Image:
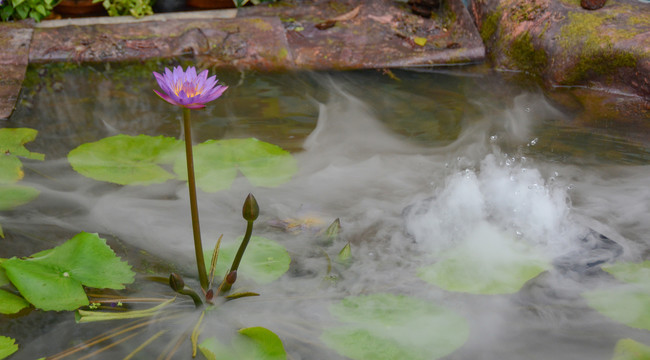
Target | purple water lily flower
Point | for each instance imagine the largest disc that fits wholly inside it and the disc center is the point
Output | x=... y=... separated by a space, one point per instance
x=187 y=89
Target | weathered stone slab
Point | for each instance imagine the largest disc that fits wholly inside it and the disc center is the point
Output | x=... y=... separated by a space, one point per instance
x=14 y=57
x=247 y=43
x=566 y=45
x=375 y=34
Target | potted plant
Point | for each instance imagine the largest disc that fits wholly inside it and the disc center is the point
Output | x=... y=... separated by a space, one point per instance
x=23 y=9
x=74 y=8
x=135 y=8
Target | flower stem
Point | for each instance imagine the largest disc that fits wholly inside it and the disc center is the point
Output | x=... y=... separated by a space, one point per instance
x=225 y=286
x=194 y=209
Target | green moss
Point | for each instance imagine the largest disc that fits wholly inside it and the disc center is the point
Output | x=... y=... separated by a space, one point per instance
x=525 y=56
x=586 y=37
x=641 y=19
x=490 y=26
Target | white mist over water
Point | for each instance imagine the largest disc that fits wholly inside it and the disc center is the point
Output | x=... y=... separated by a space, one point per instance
x=400 y=203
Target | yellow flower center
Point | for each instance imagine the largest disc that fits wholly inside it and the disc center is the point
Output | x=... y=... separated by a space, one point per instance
x=190 y=89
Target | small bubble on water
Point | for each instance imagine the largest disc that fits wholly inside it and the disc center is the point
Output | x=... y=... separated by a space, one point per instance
x=527 y=109
x=533 y=142
x=523 y=170
x=519 y=234
x=493 y=138
x=556 y=174
x=571 y=187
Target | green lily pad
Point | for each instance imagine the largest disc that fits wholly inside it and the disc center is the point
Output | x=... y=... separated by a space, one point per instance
x=12 y=141
x=264 y=260
x=254 y=343
x=16 y=195
x=487 y=262
x=53 y=280
x=627 y=304
x=8 y=346
x=387 y=327
x=216 y=163
x=10 y=303
x=127 y=160
x=631 y=273
x=628 y=349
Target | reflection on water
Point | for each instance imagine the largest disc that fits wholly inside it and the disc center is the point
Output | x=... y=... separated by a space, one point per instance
x=410 y=166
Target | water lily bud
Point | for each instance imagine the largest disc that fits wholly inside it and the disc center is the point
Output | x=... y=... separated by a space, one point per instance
x=176 y=282
x=209 y=295
x=231 y=277
x=251 y=210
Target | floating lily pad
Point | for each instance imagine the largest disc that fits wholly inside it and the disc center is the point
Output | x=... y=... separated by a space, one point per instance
x=631 y=273
x=11 y=303
x=8 y=346
x=216 y=163
x=387 y=327
x=487 y=262
x=16 y=195
x=254 y=343
x=628 y=349
x=12 y=141
x=53 y=279
x=264 y=260
x=127 y=160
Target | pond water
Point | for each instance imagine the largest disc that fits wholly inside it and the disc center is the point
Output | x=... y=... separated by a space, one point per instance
x=415 y=164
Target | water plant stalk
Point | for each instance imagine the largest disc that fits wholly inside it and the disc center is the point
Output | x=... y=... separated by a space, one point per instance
x=194 y=209
x=250 y=212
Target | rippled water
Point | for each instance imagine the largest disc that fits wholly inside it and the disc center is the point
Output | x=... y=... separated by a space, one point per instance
x=412 y=164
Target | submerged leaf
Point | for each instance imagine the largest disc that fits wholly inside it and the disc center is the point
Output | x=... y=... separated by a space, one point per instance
x=487 y=262
x=8 y=346
x=53 y=280
x=387 y=326
x=254 y=343
x=12 y=196
x=264 y=260
x=127 y=160
x=10 y=303
x=632 y=273
x=628 y=349
x=216 y=163
x=627 y=304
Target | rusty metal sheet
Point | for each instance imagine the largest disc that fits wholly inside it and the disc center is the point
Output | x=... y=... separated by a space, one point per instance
x=248 y=43
x=380 y=34
x=14 y=42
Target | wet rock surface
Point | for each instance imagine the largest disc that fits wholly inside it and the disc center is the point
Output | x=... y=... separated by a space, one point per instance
x=13 y=61
x=566 y=45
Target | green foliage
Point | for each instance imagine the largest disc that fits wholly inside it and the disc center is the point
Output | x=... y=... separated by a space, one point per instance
x=629 y=303
x=488 y=262
x=217 y=162
x=126 y=160
x=254 y=343
x=240 y=3
x=8 y=346
x=523 y=53
x=135 y=8
x=264 y=260
x=137 y=160
x=54 y=279
x=386 y=327
x=23 y=9
x=10 y=303
x=628 y=349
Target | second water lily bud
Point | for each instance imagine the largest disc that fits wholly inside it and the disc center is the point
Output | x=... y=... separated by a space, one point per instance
x=231 y=277
x=251 y=210
x=176 y=282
